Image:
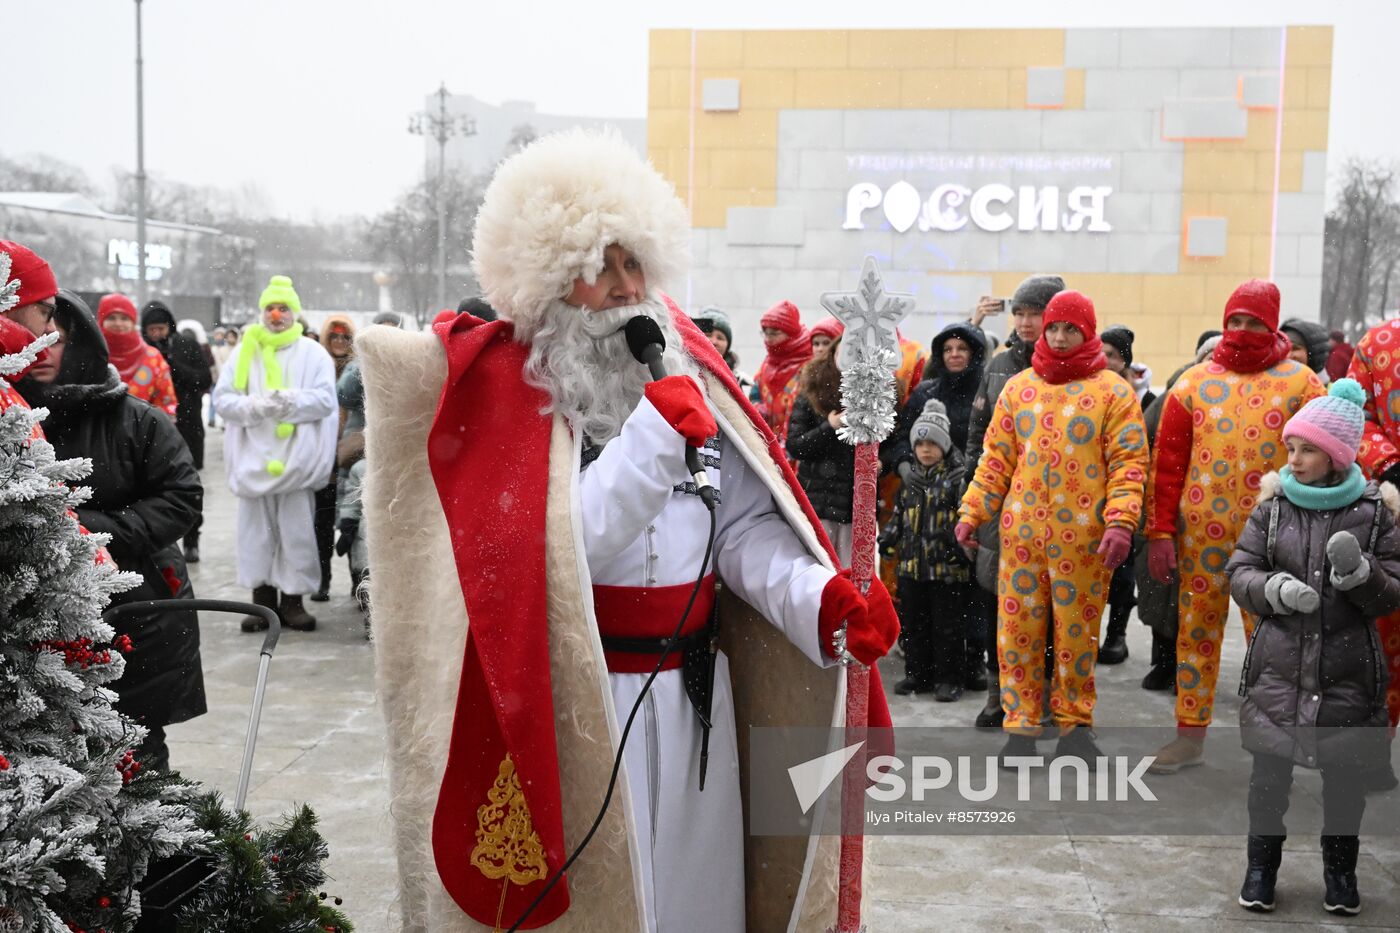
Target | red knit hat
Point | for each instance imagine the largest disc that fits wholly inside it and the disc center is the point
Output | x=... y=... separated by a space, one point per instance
x=826 y=327
x=785 y=317
x=116 y=304
x=1257 y=298
x=1073 y=308
x=36 y=281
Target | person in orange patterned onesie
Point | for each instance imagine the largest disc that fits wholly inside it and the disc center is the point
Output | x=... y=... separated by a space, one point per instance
x=141 y=366
x=1376 y=365
x=1220 y=433
x=1064 y=459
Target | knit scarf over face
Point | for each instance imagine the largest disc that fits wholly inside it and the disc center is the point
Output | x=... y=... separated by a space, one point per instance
x=126 y=352
x=257 y=339
x=1249 y=351
x=1058 y=367
x=784 y=360
x=1323 y=498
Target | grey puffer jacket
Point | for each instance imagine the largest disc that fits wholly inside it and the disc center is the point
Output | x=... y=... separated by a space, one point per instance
x=1015 y=358
x=1314 y=683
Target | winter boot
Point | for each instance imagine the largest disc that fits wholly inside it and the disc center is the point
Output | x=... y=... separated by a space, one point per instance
x=1017 y=746
x=1162 y=674
x=1114 y=647
x=1339 y=874
x=948 y=693
x=1079 y=743
x=294 y=614
x=1184 y=751
x=976 y=678
x=262 y=596
x=992 y=715
x=1264 y=853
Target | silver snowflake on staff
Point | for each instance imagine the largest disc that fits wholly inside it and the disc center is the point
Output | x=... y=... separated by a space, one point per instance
x=870 y=315
x=9 y=288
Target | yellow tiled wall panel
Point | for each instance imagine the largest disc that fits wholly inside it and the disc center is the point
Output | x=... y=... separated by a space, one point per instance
x=902 y=48
x=845 y=88
x=1305 y=129
x=759 y=88
x=795 y=48
x=1009 y=48
x=1309 y=45
x=719 y=48
x=956 y=88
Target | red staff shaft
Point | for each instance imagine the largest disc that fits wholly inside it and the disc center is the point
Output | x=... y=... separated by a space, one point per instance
x=863 y=535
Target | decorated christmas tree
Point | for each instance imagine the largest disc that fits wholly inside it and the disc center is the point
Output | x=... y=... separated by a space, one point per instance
x=79 y=818
x=266 y=881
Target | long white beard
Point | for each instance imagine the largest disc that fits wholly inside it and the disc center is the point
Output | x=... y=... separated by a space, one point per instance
x=582 y=360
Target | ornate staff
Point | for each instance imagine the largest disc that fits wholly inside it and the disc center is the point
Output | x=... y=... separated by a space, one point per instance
x=868 y=358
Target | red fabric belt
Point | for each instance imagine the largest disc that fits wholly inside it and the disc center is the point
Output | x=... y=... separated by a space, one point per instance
x=649 y=612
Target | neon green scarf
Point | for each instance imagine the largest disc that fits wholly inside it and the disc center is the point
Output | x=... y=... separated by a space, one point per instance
x=258 y=339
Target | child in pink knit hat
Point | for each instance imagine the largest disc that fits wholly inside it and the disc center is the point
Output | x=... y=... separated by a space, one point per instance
x=1318 y=562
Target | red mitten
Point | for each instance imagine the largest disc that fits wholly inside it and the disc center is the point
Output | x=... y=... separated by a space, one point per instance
x=1161 y=559
x=1117 y=542
x=679 y=401
x=871 y=623
x=966 y=536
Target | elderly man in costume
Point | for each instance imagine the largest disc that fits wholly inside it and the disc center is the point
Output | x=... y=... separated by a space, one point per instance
x=577 y=536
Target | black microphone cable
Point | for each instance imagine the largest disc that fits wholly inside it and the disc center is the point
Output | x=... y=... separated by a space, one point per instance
x=622 y=743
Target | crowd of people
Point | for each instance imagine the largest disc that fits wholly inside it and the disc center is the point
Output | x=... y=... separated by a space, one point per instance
x=128 y=390
x=1043 y=491
x=1034 y=493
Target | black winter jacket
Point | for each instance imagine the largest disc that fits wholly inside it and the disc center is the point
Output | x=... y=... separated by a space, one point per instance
x=1314 y=683
x=190 y=373
x=145 y=494
x=826 y=465
x=955 y=390
x=919 y=535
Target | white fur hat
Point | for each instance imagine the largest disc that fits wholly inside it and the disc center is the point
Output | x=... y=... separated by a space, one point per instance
x=553 y=208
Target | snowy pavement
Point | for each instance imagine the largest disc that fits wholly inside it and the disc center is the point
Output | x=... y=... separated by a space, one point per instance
x=322 y=743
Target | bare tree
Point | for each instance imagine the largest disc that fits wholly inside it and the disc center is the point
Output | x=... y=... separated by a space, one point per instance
x=406 y=235
x=43 y=173
x=1362 y=246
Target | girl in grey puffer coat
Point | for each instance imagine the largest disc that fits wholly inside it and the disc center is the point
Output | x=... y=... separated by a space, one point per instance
x=1318 y=562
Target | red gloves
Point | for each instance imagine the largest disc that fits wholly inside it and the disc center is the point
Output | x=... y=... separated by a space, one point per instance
x=1161 y=559
x=1117 y=542
x=871 y=623
x=679 y=401
x=966 y=537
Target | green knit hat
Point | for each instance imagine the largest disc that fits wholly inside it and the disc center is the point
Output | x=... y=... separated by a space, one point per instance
x=279 y=291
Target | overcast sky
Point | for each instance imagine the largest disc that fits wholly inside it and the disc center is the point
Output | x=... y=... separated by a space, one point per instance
x=309 y=99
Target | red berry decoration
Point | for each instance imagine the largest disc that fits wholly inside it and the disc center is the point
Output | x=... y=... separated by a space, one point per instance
x=4 y=763
x=104 y=902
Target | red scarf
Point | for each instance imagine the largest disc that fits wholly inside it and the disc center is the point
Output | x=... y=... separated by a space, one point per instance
x=126 y=351
x=1058 y=367
x=783 y=362
x=1249 y=351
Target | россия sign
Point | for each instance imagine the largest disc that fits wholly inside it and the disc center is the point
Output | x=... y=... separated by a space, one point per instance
x=994 y=207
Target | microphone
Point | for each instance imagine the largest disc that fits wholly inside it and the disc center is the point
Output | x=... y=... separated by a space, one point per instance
x=647 y=343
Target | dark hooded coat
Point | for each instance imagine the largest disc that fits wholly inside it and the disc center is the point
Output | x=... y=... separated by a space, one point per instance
x=190 y=372
x=826 y=465
x=955 y=390
x=146 y=495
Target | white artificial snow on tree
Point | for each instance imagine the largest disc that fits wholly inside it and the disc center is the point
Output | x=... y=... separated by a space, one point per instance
x=79 y=820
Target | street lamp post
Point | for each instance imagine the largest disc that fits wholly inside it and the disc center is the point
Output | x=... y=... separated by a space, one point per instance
x=438 y=125
x=140 y=168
